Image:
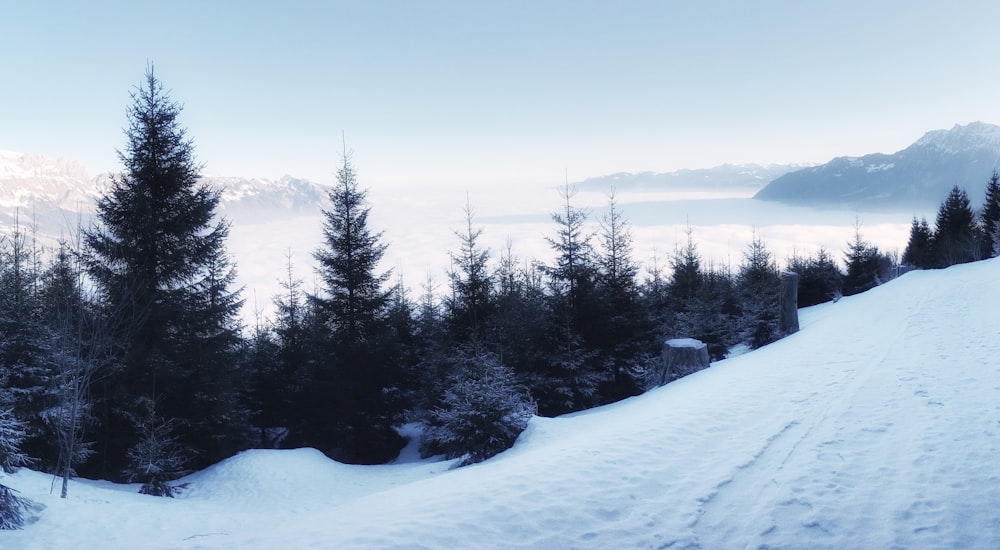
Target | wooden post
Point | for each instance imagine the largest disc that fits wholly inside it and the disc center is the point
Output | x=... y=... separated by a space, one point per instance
x=788 y=304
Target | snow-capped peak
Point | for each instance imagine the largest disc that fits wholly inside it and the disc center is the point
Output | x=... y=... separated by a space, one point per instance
x=20 y=165
x=972 y=136
x=27 y=179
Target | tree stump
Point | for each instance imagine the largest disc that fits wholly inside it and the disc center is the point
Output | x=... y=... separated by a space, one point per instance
x=788 y=304
x=681 y=357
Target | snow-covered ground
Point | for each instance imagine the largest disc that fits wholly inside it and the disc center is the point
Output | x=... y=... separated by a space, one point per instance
x=876 y=426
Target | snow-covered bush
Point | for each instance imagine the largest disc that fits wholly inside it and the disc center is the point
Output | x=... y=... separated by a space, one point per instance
x=157 y=458
x=482 y=413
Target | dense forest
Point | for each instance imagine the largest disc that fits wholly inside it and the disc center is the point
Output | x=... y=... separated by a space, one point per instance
x=122 y=355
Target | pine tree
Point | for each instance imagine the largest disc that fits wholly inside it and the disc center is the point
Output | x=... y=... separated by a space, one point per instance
x=82 y=348
x=713 y=317
x=215 y=421
x=264 y=392
x=519 y=328
x=686 y=274
x=353 y=295
x=13 y=430
x=867 y=267
x=919 y=251
x=571 y=278
x=483 y=410
x=990 y=217
x=282 y=360
x=655 y=290
x=956 y=237
x=571 y=377
x=353 y=416
x=626 y=324
x=820 y=280
x=157 y=458
x=472 y=302
x=759 y=286
x=26 y=353
x=431 y=350
x=402 y=346
x=158 y=258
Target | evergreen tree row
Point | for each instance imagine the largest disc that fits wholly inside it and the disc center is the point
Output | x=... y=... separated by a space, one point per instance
x=960 y=234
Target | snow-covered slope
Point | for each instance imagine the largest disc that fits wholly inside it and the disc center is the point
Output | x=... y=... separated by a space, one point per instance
x=876 y=426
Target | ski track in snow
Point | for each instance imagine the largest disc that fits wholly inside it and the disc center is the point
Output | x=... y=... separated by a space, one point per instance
x=876 y=426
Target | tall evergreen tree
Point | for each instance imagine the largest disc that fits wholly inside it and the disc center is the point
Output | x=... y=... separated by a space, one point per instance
x=472 y=300
x=626 y=324
x=572 y=376
x=990 y=217
x=158 y=258
x=353 y=414
x=572 y=277
x=759 y=288
x=956 y=237
x=919 y=251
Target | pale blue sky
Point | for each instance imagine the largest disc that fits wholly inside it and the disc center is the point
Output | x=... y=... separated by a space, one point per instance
x=473 y=92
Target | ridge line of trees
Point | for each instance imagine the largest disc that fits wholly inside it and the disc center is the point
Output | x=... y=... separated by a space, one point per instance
x=960 y=233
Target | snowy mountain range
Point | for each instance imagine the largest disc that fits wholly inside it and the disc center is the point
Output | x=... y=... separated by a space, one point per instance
x=726 y=177
x=920 y=175
x=55 y=192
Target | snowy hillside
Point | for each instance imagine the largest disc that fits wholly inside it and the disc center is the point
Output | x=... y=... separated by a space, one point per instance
x=876 y=426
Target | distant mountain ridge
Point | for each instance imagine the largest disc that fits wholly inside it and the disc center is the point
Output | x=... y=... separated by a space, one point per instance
x=920 y=175
x=53 y=193
x=27 y=179
x=745 y=177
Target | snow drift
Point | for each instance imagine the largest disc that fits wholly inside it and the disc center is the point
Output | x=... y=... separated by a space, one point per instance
x=876 y=426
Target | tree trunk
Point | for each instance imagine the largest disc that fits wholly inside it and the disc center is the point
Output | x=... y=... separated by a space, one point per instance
x=788 y=304
x=681 y=357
